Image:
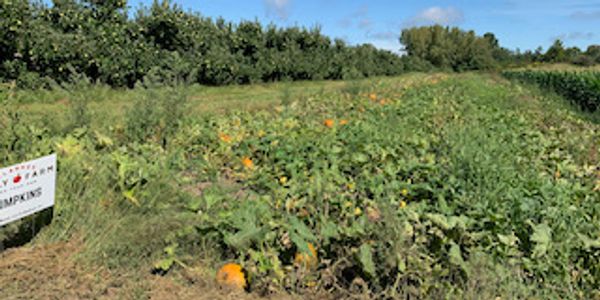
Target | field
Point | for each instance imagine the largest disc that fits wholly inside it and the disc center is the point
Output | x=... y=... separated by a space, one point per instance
x=464 y=186
x=559 y=67
x=582 y=86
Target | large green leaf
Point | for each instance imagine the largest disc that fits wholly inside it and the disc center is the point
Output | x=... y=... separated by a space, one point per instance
x=542 y=237
x=365 y=256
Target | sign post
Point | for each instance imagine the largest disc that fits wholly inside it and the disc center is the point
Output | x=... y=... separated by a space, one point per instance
x=27 y=188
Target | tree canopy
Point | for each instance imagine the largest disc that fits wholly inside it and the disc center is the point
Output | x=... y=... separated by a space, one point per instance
x=101 y=41
x=41 y=44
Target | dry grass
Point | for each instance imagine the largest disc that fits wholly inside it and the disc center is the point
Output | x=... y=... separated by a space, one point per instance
x=49 y=272
x=52 y=272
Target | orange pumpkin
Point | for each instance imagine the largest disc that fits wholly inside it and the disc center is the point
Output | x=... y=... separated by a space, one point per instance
x=329 y=123
x=343 y=122
x=231 y=276
x=247 y=162
x=373 y=97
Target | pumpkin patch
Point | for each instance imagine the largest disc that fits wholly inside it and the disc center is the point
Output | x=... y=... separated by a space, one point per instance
x=456 y=182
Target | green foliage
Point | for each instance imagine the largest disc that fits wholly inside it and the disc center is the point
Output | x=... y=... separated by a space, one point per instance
x=156 y=115
x=450 y=48
x=556 y=53
x=417 y=197
x=44 y=44
x=164 y=43
x=593 y=52
x=582 y=88
x=437 y=186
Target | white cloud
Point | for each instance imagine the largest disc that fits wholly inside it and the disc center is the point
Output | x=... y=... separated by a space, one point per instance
x=437 y=15
x=279 y=8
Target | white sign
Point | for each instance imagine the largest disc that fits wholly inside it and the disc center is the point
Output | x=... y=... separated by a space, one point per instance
x=27 y=188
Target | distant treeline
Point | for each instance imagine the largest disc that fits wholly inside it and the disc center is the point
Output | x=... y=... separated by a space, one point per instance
x=100 y=41
x=457 y=50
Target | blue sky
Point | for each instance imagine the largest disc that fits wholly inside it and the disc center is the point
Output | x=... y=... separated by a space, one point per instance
x=517 y=24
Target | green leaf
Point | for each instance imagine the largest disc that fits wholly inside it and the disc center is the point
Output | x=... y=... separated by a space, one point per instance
x=454 y=254
x=164 y=264
x=242 y=239
x=329 y=230
x=194 y=204
x=301 y=228
x=336 y=149
x=407 y=230
x=360 y=157
x=170 y=250
x=129 y=195
x=211 y=198
x=300 y=243
x=508 y=240
x=542 y=236
x=401 y=263
x=440 y=221
x=588 y=243
x=455 y=257
x=365 y=256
